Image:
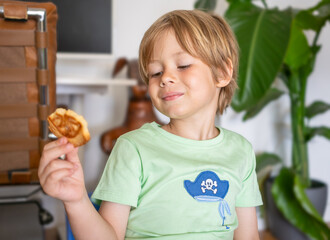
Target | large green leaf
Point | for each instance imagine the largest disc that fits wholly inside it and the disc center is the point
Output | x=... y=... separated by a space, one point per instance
x=311 y=132
x=298 y=52
x=265 y=162
x=306 y=20
x=318 y=15
x=292 y=209
x=265 y=159
x=316 y=108
x=299 y=192
x=271 y=95
x=320 y=5
x=323 y=10
x=314 y=19
x=263 y=36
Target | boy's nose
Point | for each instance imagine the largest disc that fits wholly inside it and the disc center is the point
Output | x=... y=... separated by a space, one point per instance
x=167 y=79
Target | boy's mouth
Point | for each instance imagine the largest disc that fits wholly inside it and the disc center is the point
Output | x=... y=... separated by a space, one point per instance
x=172 y=96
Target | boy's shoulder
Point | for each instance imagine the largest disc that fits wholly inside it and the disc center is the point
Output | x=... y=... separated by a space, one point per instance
x=236 y=138
x=145 y=131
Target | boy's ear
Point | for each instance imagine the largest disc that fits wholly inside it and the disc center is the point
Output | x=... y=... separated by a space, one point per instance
x=222 y=82
x=225 y=75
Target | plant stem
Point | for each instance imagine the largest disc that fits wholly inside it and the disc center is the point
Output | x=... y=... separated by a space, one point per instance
x=316 y=37
x=299 y=147
x=297 y=85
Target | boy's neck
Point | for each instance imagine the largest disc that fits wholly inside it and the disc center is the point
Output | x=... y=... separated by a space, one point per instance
x=197 y=130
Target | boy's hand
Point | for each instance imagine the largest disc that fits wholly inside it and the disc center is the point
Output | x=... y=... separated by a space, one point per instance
x=61 y=179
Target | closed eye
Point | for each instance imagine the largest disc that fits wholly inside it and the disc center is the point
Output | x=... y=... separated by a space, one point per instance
x=157 y=74
x=184 y=66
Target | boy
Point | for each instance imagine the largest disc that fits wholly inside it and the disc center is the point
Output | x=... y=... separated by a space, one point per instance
x=184 y=180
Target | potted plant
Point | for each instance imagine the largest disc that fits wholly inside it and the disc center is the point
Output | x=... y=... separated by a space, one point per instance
x=273 y=45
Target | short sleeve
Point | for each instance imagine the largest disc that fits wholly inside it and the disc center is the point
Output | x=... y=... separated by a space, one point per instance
x=249 y=196
x=120 y=181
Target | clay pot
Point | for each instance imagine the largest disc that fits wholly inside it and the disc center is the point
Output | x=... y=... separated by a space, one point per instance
x=140 y=109
x=139 y=112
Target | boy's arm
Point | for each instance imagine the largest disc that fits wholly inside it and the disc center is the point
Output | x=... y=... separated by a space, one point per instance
x=247 y=224
x=110 y=223
x=117 y=215
x=64 y=180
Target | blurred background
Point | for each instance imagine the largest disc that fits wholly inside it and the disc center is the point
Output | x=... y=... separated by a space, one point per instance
x=85 y=84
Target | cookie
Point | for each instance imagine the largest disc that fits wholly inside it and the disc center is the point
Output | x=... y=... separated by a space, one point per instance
x=67 y=123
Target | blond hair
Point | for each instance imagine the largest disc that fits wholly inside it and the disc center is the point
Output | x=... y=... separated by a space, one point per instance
x=204 y=36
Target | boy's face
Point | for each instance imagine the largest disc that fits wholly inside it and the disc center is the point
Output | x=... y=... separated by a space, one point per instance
x=181 y=86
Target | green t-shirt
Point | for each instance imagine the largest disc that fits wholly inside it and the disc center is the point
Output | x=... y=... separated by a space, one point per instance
x=180 y=188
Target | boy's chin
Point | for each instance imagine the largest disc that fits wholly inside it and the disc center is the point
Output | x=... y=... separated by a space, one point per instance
x=174 y=114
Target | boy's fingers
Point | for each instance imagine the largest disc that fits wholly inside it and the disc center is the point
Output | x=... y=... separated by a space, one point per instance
x=58 y=142
x=54 y=166
x=52 y=154
x=56 y=176
x=73 y=156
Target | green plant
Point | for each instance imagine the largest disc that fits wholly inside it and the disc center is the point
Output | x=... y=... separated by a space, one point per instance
x=273 y=45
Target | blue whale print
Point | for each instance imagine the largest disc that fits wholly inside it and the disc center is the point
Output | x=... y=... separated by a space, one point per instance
x=208 y=187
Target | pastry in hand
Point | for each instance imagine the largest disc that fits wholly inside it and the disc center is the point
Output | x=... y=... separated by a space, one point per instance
x=67 y=123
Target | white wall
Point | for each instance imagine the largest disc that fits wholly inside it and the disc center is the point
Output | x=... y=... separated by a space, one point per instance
x=269 y=131
x=132 y=18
